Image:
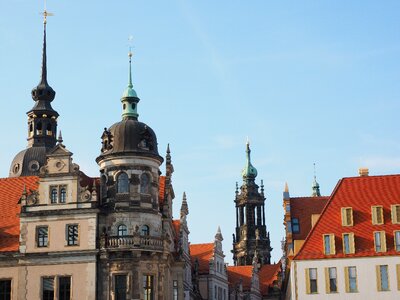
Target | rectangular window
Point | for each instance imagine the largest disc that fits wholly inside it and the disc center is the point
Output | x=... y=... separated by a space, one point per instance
x=329 y=244
x=120 y=287
x=380 y=241
x=42 y=236
x=397 y=240
x=351 y=279
x=148 y=287
x=72 y=234
x=5 y=289
x=289 y=226
x=347 y=216
x=331 y=280
x=382 y=278
x=47 y=288
x=295 y=225
x=175 y=289
x=377 y=215
x=348 y=243
x=64 y=288
x=395 y=213
x=311 y=281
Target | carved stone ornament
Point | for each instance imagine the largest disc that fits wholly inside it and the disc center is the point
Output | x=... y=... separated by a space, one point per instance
x=32 y=198
x=149 y=266
x=86 y=195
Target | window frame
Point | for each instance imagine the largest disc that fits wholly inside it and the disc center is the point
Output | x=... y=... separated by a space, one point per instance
x=348 y=279
x=62 y=196
x=43 y=278
x=375 y=209
x=297 y=223
x=7 y=293
x=395 y=213
x=53 y=194
x=309 y=285
x=331 y=244
x=328 y=279
x=122 y=228
x=382 y=241
x=120 y=181
x=379 y=281
x=67 y=235
x=396 y=240
x=60 y=296
x=148 y=287
x=351 y=243
x=345 y=221
x=40 y=241
x=118 y=275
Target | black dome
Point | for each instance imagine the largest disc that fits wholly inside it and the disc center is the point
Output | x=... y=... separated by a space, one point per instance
x=129 y=137
x=28 y=162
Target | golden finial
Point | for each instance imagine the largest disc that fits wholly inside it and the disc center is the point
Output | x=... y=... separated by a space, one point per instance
x=45 y=13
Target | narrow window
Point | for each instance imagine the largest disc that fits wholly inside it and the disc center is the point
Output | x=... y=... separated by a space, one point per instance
x=120 y=287
x=63 y=195
x=295 y=225
x=144 y=183
x=47 y=288
x=331 y=280
x=175 y=290
x=347 y=216
x=122 y=230
x=348 y=243
x=148 y=287
x=289 y=226
x=53 y=194
x=329 y=244
x=123 y=183
x=351 y=279
x=42 y=236
x=39 y=128
x=382 y=277
x=313 y=280
x=395 y=213
x=5 y=289
x=48 y=129
x=103 y=187
x=64 y=288
x=72 y=234
x=377 y=215
x=145 y=230
x=397 y=240
x=380 y=241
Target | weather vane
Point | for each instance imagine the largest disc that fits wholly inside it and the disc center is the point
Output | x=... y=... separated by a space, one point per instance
x=45 y=13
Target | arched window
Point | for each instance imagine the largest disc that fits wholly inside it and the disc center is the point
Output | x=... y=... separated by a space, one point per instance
x=39 y=128
x=63 y=195
x=145 y=230
x=122 y=230
x=48 y=129
x=53 y=195
x=144 y=183
x=123 y=183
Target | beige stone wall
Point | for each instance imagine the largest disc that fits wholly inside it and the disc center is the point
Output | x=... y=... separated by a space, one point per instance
x=57 y=232
x=11 y=273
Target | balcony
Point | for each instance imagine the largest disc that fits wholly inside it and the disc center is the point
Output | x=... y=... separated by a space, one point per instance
x=131 y=242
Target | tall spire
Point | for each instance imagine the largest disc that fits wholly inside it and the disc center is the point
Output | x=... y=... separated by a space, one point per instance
x=129 y=97
x=315 y=186
x=249 y=172
x=44 y=92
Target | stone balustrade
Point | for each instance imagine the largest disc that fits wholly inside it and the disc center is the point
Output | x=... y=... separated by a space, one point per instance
x=131 y=241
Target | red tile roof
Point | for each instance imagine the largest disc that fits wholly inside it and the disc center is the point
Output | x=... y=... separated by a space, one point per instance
x=10 y=192
x=177 y=226
x=360 y=193
x=303 y=208
x=267 y=275
x=161 y=191
x=203 y=252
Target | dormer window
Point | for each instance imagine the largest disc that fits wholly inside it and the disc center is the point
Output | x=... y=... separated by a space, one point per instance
x=122 y=183
x=395 y=213
x=347 y=216
x=329 y=244
x=377 y=215
x=380 y=241
x=295 y=225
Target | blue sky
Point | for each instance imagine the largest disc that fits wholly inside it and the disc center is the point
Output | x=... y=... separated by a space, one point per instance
x=306 y=81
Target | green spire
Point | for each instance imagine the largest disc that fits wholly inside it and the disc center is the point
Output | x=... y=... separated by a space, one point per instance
x=249 y=171
x=129 y=97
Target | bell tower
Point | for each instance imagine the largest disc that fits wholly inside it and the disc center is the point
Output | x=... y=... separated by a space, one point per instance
x=251 y=234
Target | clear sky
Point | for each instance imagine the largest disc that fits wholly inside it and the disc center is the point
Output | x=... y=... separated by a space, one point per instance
x=306 y=81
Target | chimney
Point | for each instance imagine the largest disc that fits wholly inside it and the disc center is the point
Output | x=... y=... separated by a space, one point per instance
x=363 y=171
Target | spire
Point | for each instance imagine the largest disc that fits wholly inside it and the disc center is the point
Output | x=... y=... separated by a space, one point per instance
x=129 y=97
x=249 y=172
x=218 y=235
x=286 y=188
x=44 y=92
x=184 y=206
x=315 y=186
x=60 y=138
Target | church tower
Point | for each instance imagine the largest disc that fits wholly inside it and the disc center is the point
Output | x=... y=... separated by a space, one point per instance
x=251 y=237
x=42 y=124
x=135 y=226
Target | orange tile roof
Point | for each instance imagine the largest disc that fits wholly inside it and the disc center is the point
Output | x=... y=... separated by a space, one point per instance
x=267 y=275
x=303 y=208
x=360 y=193
x=161 y=191
x=203 y=252
x=177 y=226
x=10 y=192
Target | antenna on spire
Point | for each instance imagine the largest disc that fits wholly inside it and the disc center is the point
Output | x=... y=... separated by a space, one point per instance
x=45 y=14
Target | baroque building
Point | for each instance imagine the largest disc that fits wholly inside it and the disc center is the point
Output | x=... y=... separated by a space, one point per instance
x=65 y=235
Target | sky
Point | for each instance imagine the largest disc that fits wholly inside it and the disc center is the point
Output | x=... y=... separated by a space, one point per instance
x=305 y=81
